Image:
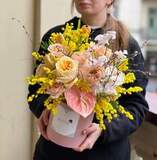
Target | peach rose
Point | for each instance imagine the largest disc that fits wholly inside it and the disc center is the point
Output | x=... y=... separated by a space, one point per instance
x=67 y=69
x=92 y=74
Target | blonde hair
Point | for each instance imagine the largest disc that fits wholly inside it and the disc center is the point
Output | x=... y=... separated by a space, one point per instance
x=122 y=34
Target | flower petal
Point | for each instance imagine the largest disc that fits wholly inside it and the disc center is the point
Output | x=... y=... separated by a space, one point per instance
x=81 y=102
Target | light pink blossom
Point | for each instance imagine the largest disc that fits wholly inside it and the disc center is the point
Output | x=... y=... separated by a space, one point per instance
x=80 y=57
x=57 y=50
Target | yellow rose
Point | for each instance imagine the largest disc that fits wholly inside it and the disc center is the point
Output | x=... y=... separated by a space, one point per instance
x=49 y=60
x=67 y=69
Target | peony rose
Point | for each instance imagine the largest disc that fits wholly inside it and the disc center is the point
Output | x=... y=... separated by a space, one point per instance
x=67 y=70
x=92 y=74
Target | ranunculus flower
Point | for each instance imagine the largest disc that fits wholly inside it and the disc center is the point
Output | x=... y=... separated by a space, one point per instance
x=56 y=90
x=81 y=102
x=67 y=70
x=57 y=50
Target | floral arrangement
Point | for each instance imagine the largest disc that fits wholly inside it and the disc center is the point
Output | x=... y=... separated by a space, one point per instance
x=85 y=74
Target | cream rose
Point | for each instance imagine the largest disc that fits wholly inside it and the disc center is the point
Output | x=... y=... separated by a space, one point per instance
x=67 y=70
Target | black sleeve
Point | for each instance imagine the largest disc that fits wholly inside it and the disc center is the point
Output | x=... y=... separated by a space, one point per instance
x=136 y=104
x=37 y=105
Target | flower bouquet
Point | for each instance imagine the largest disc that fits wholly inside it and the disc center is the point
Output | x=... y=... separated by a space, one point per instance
x=82 y=78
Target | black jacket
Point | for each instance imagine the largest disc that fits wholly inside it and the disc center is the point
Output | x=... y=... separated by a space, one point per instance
x=113 y=144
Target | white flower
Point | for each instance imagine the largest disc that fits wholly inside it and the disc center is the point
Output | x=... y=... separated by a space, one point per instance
x=92 y=61
x=103 y=39
x=119 y=79
x=102 y=60
x=110 y=89
x=121 y=55
x=112 y=75
x=99 y=88
x=110 y=71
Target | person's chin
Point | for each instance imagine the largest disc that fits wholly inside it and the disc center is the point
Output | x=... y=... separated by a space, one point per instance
x=85 y=11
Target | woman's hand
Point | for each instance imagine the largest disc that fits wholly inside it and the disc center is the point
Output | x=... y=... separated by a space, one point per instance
x=43 y=123
x=93 y=132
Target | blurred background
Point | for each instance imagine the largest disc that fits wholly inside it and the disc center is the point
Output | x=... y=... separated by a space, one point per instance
x=22 y=24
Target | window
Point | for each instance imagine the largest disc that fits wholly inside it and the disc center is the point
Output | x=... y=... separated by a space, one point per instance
x=151 y=62
x=152 y=23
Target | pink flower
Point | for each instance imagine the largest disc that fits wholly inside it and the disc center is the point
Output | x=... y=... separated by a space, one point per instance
x=81 y=57
x=57 y=50
x=102 y=51
x=92 y=74
x=56 y=90
x=81 y=102
x=103 y=39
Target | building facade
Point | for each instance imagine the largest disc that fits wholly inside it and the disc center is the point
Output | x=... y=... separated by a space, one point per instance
x=141 y=18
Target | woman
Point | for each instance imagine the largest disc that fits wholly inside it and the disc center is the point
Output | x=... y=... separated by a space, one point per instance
x=111 y=144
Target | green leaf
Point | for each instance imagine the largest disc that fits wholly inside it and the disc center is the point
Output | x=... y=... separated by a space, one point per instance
x=115 y=104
